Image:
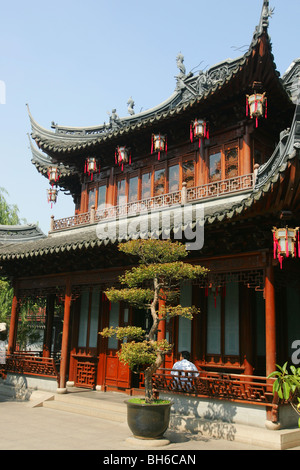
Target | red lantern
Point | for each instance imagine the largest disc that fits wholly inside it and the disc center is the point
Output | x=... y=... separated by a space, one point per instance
x=199 y=130
x=256 y=105
x=91 y=166
x=53 y=174
x=52 y=196
x=159 y=144
x=122 y=155
x=286 y=243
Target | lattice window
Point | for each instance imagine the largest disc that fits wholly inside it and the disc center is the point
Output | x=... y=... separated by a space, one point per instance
x=252 y=278
x=231 y=163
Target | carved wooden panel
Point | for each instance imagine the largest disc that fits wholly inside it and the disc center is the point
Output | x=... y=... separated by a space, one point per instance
x=26 y=363
x=237 y=387
x=85 y=374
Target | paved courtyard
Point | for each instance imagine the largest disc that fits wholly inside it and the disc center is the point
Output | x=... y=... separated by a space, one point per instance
x=23 y=427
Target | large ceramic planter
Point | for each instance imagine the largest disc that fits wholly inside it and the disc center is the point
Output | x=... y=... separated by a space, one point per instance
x=148 y=421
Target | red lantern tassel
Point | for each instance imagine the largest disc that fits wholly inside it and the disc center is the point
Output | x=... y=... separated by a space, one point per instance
x=130 y=159
x=158 y=155
x=166 y=145
x=191 y=132
x=274 y=245
x=207 y=132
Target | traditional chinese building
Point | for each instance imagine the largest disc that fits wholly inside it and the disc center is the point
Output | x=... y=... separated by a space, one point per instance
x=219 y=158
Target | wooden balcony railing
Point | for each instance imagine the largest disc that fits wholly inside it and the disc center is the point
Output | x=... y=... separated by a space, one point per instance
x=31 y=363
x=235 y=387
x=216 y=189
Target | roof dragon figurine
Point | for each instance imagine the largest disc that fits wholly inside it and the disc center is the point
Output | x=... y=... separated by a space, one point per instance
x=130 y=104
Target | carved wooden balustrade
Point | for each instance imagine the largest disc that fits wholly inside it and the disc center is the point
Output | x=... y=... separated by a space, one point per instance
x=234 y=387
x=212 y=190
x=31 y=363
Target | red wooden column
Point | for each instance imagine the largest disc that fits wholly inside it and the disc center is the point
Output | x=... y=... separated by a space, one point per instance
x=161 y=333
x=13 y=322
x=65 y=339
x=270 y=319
x=246 y=163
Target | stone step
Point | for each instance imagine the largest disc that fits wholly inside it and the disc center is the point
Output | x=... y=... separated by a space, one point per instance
x=280 y=439
x=101 y=401
x=88 y=408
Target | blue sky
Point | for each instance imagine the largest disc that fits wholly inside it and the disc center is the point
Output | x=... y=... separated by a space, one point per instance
x=73 y=62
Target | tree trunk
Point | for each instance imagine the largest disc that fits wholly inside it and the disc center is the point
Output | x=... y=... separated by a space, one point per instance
x=149 y=396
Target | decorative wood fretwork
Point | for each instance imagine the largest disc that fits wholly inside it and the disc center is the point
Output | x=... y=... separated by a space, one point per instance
x=237 y=387
x=40 y=292
x=207 y=191
x=31 y=364
x=85 y=373
x=252 y=279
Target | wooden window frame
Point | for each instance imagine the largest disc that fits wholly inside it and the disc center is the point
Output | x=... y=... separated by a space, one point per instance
x=222 y=359
x=87 y=349
x=95 y=186
x=222 y=149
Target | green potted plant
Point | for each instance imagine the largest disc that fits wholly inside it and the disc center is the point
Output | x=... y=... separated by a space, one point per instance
x=287 y=386
x=157 y=276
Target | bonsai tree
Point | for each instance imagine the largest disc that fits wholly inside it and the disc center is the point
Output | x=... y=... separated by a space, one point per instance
x=287 y=386
x=157 y=276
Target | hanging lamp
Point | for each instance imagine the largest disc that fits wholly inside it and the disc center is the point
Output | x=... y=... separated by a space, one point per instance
x=286 y=243
x=53 y=174
x=91 y=166
x=256 y=106
x=122 y=155
x=52 y=196
x=199 y=129
x=159 y=144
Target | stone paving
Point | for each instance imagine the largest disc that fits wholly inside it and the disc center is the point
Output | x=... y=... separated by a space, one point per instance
x=24 y=427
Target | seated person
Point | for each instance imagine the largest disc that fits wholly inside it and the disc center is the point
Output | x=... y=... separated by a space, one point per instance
x=179 y=370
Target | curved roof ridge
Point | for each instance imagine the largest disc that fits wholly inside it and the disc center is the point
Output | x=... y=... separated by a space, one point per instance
x=190 y=90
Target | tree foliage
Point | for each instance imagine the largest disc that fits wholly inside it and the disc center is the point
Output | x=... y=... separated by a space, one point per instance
x=8 y=212
x=158 y=275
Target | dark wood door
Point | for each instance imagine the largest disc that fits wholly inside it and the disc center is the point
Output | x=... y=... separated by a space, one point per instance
x=117 y=374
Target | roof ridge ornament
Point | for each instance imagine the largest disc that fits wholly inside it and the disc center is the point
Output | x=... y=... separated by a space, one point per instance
x=180 y=66
x=130 y=104
x=266 y=13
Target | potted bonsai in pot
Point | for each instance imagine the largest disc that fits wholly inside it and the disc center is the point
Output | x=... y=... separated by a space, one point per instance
x=286 y=387
x=157 y=276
